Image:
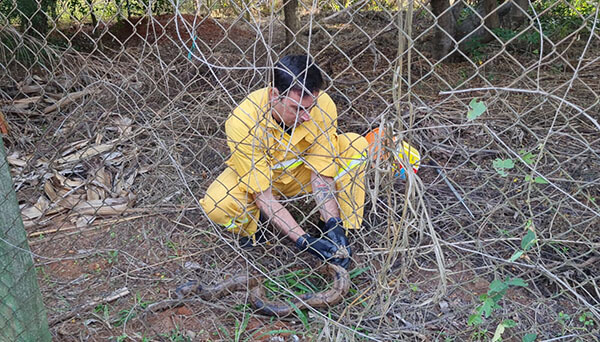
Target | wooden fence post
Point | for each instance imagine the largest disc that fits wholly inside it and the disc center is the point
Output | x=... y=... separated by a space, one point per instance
x=22 y=312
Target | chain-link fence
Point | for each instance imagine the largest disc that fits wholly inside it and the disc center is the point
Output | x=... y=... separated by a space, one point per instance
x=114 y=115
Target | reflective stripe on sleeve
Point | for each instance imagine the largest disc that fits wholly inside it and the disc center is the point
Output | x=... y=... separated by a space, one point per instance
x=288 y=164
x=355 y=161
x=232 y=224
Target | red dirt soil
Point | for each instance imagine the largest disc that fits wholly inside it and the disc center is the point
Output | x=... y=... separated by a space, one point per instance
x=163 y=28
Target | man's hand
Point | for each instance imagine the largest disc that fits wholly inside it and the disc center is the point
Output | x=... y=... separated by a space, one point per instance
x=321 y=248
x=335 y=232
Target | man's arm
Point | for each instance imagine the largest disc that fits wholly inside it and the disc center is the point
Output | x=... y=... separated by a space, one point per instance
x=279 y=216
x=323 y=189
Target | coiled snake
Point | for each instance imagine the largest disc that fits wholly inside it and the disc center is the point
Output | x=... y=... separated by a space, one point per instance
x=323 y=299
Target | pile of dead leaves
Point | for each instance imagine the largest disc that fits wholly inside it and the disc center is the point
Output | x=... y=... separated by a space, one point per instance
x=89 y=181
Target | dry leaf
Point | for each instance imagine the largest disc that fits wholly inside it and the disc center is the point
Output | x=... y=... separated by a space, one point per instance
x=31 y=213
x=124 y=125
x=84 y=221
x=16 y=161
x=74 y=146
x=42 y=203
x=108 y=206
x=88 y=152
x=49 y=190
x=94 y=193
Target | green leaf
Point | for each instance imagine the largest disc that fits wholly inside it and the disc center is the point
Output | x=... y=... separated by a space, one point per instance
x=516 y=282
x=528 y=157
x=475 y=319
x=503 y=164
x=497 y=286
x=528 y=178
x=488 y=307
x=540 y=180
x=529 y=337
x=528 y=240
x=509 y=323
x=477 y=108
x=516 y=256
x=357 y=271
x=300 y=314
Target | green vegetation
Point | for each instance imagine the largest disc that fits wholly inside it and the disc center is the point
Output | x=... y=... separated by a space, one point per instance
x=557 y=20
x=490 y=300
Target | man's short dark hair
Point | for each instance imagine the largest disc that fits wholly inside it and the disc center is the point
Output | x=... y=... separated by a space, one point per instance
x=297 y=72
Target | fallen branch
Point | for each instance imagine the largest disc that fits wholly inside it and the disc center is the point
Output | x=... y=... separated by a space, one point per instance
x=122 y=292
x=68 y=99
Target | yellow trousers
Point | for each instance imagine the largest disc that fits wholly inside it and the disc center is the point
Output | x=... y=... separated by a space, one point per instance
x=229 y=206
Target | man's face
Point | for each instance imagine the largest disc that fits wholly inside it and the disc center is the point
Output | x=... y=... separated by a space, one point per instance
x=294 y=108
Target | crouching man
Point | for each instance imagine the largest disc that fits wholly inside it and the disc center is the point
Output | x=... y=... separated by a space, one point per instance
x=284 y=143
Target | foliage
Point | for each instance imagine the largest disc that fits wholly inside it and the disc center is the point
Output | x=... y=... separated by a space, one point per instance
x=560 y=18
x=24 y=49
x=490 y=300
x=528 y=241
x=33 y=15
x=501 y=165
x=507 y=323
x=476 y=109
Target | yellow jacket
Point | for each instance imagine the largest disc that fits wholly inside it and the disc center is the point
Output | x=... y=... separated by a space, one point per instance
x=261 y=152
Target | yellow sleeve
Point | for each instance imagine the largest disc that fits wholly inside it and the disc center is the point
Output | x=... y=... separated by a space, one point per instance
x=323 y=151
x=246 y=140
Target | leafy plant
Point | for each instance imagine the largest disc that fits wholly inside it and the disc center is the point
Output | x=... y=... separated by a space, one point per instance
x=501 y=165
x=489 y=300
x=529 y=337
x=507 y=323
x=586 y=319
x=176 y=335
x=526 y=243
x=113 y=256
x=240 y=327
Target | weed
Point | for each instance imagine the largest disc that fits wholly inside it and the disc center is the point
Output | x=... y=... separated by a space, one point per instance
x=586 y=319
x=240 y=327
x=490 y=300
x=526 y=243
x=501 y=165
x=176 y=335
x=113 y=256
x=103 y=310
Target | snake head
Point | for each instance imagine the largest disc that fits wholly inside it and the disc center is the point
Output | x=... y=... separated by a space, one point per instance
x=187 y=289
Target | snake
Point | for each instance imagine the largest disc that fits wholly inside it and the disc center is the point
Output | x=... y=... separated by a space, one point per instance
x=258 y=300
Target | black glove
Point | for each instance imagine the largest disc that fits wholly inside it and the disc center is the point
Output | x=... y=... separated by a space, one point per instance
x=321 y=248
x=335 y=232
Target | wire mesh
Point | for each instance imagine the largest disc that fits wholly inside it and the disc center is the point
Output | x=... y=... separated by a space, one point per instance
x=113 y=115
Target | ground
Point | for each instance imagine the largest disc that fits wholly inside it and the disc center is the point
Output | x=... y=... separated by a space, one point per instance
x=160 y=115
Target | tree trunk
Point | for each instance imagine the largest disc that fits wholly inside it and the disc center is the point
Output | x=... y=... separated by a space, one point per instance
x=445 y=29
x=22 y=312
x=517 y=13
x=492 y=19
x=292 y=22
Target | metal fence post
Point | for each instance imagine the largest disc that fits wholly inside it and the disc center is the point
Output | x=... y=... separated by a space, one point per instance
x=22 y=313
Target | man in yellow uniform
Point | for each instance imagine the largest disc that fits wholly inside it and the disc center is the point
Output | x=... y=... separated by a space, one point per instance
x=284 y=143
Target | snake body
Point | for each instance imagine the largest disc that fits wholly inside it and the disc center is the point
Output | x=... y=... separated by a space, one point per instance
x=323 y=299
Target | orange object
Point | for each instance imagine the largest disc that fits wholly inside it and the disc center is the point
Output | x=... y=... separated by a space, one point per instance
x=376 y=139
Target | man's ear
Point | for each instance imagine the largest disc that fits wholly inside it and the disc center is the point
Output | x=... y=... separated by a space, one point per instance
x=273 y=93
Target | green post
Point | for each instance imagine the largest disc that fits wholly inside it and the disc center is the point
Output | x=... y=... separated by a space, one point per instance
x=22 y=313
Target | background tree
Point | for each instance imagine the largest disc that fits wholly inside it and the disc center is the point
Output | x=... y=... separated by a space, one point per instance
x=459 y=21
x=292 y=23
